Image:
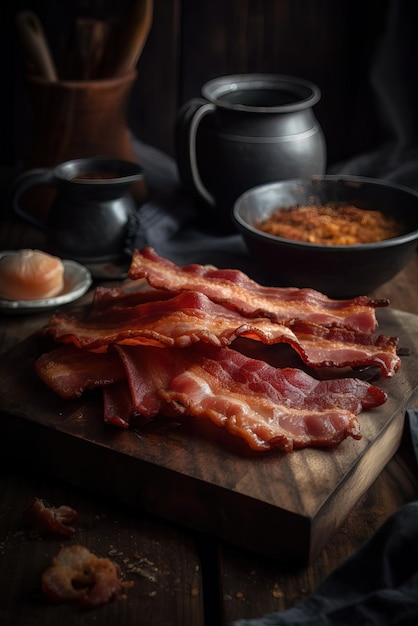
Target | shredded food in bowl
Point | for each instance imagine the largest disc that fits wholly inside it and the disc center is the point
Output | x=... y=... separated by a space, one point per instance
x=332 y=224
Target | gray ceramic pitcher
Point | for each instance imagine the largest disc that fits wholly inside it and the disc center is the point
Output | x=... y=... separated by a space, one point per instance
x=248 y=129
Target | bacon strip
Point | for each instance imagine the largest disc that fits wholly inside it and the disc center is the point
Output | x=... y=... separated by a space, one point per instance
x=189 y=317
x=165 y=352
x=341 y=347
x=267 y=407
x=179 y=321
x=69 y=372
x=118 y=408
x=235 y=289
x=144 y=394
x=112 y=297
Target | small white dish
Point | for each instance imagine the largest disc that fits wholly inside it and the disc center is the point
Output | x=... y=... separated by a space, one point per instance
x=77 y=280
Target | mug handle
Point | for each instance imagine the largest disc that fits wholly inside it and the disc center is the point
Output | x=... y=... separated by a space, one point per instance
x=188 y=123
x=23 y=182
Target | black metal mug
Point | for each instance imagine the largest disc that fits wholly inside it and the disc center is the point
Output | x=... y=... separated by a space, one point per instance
x=92 y=212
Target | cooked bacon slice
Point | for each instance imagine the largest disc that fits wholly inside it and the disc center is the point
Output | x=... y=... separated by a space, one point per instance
x=69 y=371
x=45 y=519
x=118 y=408
x=207 y=381
x=341 y=347
x=236 y=290
x=144 y=394
x=189 y=317
x=179 y=321
x=111 y=297
x=267 y=407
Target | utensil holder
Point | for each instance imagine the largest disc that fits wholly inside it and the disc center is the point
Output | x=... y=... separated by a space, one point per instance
x=77 y=119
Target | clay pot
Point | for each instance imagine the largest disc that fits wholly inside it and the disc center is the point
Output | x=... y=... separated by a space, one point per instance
x=75 y=119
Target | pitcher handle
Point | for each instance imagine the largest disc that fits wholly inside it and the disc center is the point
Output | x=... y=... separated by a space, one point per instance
x=192 y=114
x=24 y=181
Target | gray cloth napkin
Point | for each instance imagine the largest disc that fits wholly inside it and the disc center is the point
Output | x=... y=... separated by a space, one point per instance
x=378 y=586
x=176 y=226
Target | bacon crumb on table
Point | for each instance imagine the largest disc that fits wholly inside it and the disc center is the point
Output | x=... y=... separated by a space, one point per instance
x=78 y=575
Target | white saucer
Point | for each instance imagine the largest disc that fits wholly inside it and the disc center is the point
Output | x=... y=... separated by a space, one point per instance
x=77 y=280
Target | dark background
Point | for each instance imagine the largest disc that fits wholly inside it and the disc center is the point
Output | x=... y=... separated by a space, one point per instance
x=332 y=43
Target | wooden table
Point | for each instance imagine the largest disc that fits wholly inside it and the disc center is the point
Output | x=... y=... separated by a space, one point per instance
x=180 y=578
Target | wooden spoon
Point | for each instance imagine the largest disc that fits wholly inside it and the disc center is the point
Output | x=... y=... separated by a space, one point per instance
x=34 y=42
x=128 y=39
x=88 y=43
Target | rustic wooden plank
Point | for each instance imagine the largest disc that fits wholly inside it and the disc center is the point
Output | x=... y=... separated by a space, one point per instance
x=161 y=560
x=250 y=585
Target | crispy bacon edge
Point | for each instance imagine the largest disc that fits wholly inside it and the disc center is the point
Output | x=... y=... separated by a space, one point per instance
x=189 y=317
x=235 y=289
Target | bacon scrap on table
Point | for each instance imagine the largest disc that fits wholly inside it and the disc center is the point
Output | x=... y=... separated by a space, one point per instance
x=78 y=575
x=169 y=351
x=45 y=519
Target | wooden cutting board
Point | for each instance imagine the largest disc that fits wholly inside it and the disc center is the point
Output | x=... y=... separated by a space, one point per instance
x=286 y=506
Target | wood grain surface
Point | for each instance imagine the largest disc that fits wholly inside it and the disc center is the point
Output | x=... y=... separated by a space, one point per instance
x=161 y=561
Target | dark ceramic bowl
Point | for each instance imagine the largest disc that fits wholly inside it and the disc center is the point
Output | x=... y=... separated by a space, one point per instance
x=337 y=271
